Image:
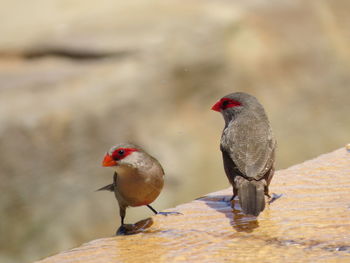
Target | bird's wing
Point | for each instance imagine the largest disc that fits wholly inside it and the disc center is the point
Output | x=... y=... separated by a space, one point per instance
x=251 y=148
x=230 y=167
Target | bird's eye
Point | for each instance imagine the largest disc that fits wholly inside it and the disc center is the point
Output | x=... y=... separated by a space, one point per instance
x=121 y=152
x=225 y=103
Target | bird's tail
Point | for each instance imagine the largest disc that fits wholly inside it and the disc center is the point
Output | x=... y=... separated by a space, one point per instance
x=109 y=187
x=251 y=196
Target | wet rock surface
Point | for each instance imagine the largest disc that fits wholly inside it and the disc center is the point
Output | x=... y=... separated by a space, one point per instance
x=309 y=223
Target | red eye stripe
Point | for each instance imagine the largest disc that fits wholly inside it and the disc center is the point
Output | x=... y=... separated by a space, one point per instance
x=121 y=153
x=224 y=104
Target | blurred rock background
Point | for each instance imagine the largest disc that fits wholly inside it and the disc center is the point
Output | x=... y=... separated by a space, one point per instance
x=79 y=76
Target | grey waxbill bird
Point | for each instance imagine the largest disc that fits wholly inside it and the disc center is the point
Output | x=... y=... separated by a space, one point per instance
x=138 y=178
x=248 y=149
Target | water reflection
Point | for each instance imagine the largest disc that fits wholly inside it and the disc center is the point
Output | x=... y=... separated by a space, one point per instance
x=238 y=220
x=242 y=222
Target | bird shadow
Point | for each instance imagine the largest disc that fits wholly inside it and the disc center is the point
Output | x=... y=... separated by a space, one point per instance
x=232 y=210
x=142 y=225
x=132 y=229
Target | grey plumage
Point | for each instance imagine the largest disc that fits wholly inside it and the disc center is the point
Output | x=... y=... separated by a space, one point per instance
x=248 y=150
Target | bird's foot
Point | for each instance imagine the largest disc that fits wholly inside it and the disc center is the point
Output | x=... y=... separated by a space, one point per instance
x=274 y=197
x=169 y=213
x=131 y=229
x=228 y=200
x=125 y=229
x=122 y=230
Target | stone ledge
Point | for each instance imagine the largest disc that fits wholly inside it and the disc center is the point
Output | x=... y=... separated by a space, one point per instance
x=309 y=223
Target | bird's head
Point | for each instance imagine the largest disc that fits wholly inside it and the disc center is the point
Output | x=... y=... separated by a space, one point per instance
x=225 y=103
x=232 y=104
x=119 y=155
x=228 y=106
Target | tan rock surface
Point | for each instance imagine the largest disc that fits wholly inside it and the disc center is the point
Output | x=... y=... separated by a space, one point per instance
x=309 y=223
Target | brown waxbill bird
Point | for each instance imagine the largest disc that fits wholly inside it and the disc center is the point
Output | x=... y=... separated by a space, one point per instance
x=248 y=149
x=138 y=178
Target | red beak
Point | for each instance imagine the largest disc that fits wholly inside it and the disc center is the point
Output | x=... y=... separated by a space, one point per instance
x=108 y=161
x=217 y=106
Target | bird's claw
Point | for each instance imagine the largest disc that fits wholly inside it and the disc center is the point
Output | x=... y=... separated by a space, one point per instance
x=228 y=200
x=126 y=229
x=169 y=213
x=122 y=230
x=274 y=197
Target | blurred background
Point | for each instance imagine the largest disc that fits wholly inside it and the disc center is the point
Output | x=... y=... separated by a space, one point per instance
x=78 y=76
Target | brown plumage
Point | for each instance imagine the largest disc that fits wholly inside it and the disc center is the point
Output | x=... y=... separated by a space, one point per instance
x=248 y=149
x=138 y=178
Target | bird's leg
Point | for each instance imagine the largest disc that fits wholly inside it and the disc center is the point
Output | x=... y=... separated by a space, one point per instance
x=233 y=196
x=122 y=229
x=266 y=191
x=163 y=213
x=153 y=210
x=235 y=193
